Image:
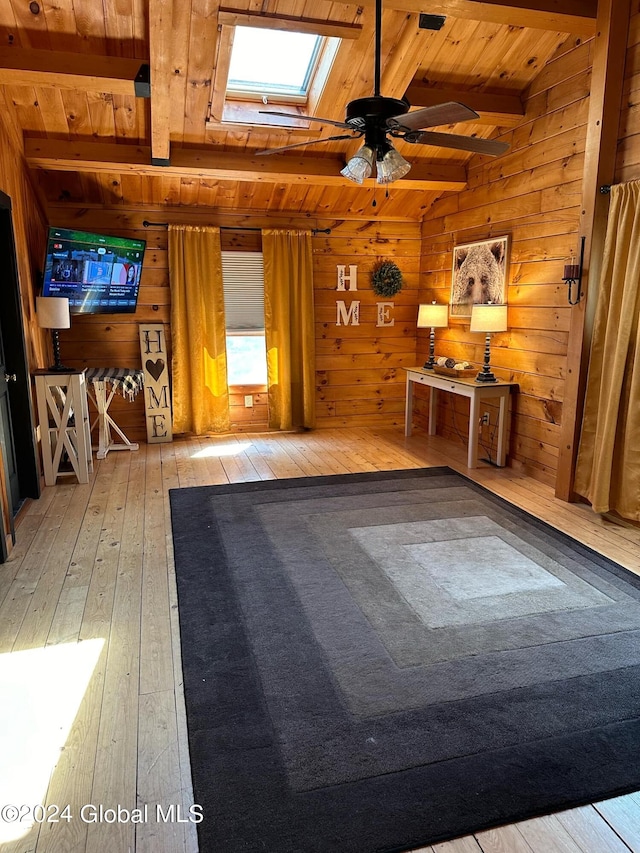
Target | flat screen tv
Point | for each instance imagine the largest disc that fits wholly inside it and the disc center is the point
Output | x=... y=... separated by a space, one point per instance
x=99 y=274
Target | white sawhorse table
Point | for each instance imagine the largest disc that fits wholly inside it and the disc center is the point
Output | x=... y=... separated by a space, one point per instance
x=107 y=381
x=477 y=392
x=63 y=416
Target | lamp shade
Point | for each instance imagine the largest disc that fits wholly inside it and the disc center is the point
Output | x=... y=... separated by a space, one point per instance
x=488 y=318
x=433 y=316
x=53 y=312
x=391 y=167
x=360 y=166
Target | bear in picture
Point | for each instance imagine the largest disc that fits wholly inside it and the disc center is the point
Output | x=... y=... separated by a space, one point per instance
x=479 y=275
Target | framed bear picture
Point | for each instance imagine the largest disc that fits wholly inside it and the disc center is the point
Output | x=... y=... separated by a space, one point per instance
x=479 y=275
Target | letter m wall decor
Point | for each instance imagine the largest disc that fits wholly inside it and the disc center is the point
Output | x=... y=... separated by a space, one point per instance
x=157 y=395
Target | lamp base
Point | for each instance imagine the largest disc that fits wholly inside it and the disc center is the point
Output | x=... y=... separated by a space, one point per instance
x=428 y=365
x=57 y=367
x=486 y=377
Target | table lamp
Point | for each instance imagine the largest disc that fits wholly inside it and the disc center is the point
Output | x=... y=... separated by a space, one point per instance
x=432 y=316
x=53 y=313
x=488 y=318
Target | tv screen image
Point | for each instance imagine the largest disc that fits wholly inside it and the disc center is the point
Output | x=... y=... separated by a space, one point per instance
x=99 y=274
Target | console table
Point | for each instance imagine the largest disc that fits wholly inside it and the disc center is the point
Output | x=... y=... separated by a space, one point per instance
x=106 y=382
x=477 y=392
x=63 y=416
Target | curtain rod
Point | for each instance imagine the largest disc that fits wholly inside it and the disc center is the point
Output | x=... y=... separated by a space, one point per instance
x=148 y=224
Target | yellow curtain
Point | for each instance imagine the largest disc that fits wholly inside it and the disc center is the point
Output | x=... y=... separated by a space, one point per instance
x=608 y=465
x=199 y=360
x=289 y=328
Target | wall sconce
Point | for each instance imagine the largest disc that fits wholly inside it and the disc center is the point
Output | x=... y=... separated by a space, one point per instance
x=488 y=318
x=573 y=275
x=52 y=313
x=434 y=317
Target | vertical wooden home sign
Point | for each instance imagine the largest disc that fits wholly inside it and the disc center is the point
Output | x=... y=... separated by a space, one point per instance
x=157 y=397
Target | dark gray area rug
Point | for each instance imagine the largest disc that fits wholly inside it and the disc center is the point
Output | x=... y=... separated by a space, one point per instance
x=376 y=662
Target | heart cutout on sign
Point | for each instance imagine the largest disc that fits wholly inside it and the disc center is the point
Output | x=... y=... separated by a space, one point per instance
x=155 y=368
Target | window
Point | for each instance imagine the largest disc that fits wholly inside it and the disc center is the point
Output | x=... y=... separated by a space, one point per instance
x=243 y=284
x=272 y=63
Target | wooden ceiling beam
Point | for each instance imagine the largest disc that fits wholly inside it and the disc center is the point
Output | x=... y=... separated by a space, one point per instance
x=570 y=16
x=59 y=70
x=91 y=157
x=160 y=48
x=494 y=110
x=290 y=23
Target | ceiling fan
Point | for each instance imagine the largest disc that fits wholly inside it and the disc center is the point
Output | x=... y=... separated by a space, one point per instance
x=377 y=118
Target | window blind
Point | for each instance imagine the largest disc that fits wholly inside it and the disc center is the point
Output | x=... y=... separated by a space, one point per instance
x=243 y=284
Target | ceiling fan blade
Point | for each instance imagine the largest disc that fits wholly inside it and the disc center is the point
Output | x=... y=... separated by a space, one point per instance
x=305 y=118
x=449 y=113
x=311 y=142
x=463 y=143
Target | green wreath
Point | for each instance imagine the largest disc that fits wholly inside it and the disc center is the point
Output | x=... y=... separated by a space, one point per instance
x=386 y=279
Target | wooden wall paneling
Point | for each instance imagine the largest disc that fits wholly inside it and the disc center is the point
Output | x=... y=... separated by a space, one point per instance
x=11 y=123
x=188 y=191
x=25 y=103
x=139 y=21
x=33 y=28
x=572 y=59
x=467 y=42
x=353 y=62
x=91 y=188
x=125 y=116
x=100 y=106
x=249 y=419
x=602 y=136
x=90 y=26
x=119 y=26
x=111 y=187
x=558 y=148
x=628 y=156
x=29 y=226
x=531 y=193
x=76 y=108
x=207 y=193
x=349 y=358
x=130 y=217
x=359 y=368
x=132 y=186
x=52 y=110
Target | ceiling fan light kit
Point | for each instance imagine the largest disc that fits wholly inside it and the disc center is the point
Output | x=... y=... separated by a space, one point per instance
x=390 y=165
x=377 y=117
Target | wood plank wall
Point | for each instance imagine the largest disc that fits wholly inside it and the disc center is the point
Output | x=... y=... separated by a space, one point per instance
x=628 y=155
x=532 y=194
x=359 y=373
x=29 y=226
x=359 y=368
x=30 y=237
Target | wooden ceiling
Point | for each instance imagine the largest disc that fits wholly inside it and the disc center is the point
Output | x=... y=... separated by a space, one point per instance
x=68 y=74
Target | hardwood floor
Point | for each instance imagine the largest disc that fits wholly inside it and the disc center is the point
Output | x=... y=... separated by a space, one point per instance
x=88 y=616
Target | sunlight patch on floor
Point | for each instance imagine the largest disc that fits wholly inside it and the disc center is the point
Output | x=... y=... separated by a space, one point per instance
x=216 y=450
x=41 y=692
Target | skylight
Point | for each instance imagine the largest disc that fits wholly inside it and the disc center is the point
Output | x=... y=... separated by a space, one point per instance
x=272 y=63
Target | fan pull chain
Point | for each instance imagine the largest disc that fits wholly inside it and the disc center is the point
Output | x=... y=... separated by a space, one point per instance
x=374 y=203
